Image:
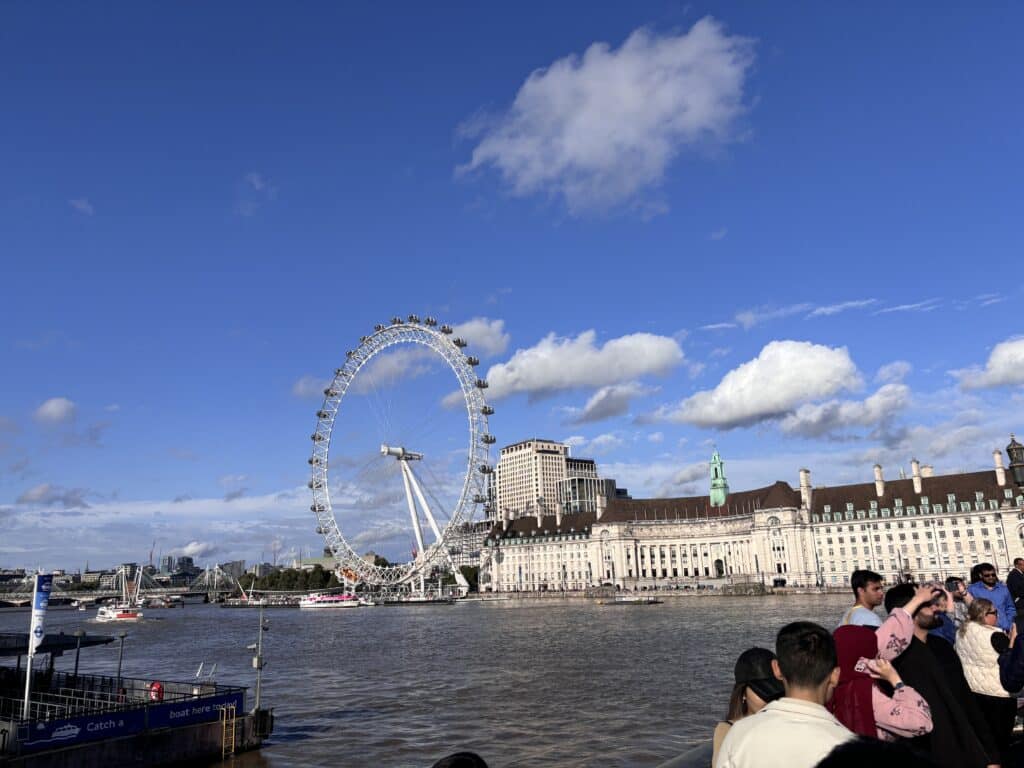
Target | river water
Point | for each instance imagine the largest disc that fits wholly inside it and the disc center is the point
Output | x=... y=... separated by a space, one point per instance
x=522 y=683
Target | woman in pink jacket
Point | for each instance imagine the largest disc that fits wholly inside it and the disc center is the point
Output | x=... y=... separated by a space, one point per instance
x=860 y=704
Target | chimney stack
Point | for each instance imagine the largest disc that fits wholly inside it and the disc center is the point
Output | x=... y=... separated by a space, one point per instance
x=927 y=470
x=558 y=515
x=805 y=488
x=879 y=481
x=997 y=457
x=602 y=502
x=915 y=471
x=504 y=519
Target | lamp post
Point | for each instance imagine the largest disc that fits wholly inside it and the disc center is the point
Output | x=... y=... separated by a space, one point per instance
x=120 y=658
x=79 y=634
x=257 y=660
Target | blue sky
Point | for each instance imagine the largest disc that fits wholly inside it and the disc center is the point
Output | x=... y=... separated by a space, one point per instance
x=798 y=232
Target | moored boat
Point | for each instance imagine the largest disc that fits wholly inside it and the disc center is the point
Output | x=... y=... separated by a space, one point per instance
x=320 y=600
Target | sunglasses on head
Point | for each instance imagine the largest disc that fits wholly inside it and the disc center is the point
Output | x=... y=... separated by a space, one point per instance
x=992 y=613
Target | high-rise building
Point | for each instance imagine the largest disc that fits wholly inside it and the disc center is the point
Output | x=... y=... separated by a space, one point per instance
x=527 y=476
x=166 y=563
x=185 y=563
x=533 y=476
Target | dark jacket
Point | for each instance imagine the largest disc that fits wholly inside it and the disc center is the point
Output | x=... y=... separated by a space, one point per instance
x=1015 y=583
x=960 y=738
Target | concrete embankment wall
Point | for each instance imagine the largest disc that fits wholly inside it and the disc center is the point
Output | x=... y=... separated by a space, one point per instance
x=191 y=744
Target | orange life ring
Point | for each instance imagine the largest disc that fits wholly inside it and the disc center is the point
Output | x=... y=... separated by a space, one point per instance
x=156 y=691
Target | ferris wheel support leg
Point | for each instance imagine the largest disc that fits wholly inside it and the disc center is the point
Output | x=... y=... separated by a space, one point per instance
x=459 y=578
x=412 y=511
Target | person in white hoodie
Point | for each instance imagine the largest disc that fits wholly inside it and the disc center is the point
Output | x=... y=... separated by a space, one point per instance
x=979 y=644
x=795 y=731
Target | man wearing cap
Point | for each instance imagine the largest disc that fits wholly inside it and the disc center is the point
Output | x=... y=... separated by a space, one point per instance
x=755 y=686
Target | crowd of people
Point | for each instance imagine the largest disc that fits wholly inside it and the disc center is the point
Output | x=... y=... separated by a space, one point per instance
x=932 y=682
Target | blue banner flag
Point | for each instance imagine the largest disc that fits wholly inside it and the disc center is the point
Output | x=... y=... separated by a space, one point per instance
x=40 y=602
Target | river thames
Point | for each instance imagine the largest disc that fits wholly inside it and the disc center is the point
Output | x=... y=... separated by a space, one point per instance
x=553 y=682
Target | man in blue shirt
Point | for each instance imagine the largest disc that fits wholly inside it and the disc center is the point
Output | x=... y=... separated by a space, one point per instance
x=992 y=589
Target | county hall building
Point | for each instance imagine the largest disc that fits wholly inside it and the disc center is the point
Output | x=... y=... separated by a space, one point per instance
x=925 y=526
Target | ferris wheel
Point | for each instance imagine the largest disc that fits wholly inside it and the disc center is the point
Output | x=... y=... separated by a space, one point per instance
x=424 y=520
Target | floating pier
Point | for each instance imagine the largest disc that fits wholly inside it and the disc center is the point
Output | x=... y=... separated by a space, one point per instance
x=96 y=720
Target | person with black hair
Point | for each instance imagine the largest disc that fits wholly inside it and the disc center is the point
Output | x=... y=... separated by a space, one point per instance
x=985 y=583
x=755 y=686
x=960 y=737
x=868 y=594
x=795 y=731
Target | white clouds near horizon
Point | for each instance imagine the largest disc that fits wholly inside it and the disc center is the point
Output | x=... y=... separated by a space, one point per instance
x=599 y=129
x=834 y=416
x=784 y=375
x=558 y=363
x=1004 y=367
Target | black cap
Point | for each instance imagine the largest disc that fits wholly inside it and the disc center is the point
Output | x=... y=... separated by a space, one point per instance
x=754 y=669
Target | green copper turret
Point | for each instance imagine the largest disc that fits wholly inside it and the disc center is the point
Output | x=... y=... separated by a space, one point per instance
x=719 y=485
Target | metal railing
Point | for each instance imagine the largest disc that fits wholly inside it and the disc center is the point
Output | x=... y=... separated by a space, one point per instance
x=63 y=695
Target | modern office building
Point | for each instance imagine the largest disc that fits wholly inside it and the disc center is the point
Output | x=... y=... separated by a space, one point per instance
x=534 y=476
x=925 y=526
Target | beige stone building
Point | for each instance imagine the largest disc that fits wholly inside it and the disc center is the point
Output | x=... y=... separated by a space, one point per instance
x=926 y=526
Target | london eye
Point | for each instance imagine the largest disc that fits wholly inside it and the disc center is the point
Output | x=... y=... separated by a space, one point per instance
x=429 y=519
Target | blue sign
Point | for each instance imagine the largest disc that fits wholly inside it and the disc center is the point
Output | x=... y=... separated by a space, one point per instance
x=190 y=711
x=54 y=734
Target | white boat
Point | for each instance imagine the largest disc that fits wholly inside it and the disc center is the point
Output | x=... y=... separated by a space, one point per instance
x=118 y=612
x=322 y=601
x=129 y=607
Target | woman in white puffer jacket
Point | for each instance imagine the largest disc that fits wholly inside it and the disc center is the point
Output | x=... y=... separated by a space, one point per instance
x=979 y=643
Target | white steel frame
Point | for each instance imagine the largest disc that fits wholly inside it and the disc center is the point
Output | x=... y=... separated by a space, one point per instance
x=478 y=463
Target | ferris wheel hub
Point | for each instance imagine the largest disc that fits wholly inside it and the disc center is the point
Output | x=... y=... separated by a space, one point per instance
x=400 y=453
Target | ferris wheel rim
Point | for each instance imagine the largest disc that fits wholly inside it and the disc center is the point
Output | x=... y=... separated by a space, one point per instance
x=442 y=341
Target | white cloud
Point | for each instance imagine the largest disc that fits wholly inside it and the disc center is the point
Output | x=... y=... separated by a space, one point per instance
x=835 y=309
x=112 y=408
x=598 y=129
x=748 y=318
x=894 y=371
x=605 y=443
x=393 y=366
x=310 y=387
x=717 y=326
x=1004 y=368
x=82 y=205
x=48 y=495
x=56 y=410
x=486 y=337
x=782 y=377
x=610 y=401
x=575 y=441
x=656 y=437
x=557 y=363
x=195 y=549
x=719 y=234
x=252 y=193
x=920 y=306
x=816 y=420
